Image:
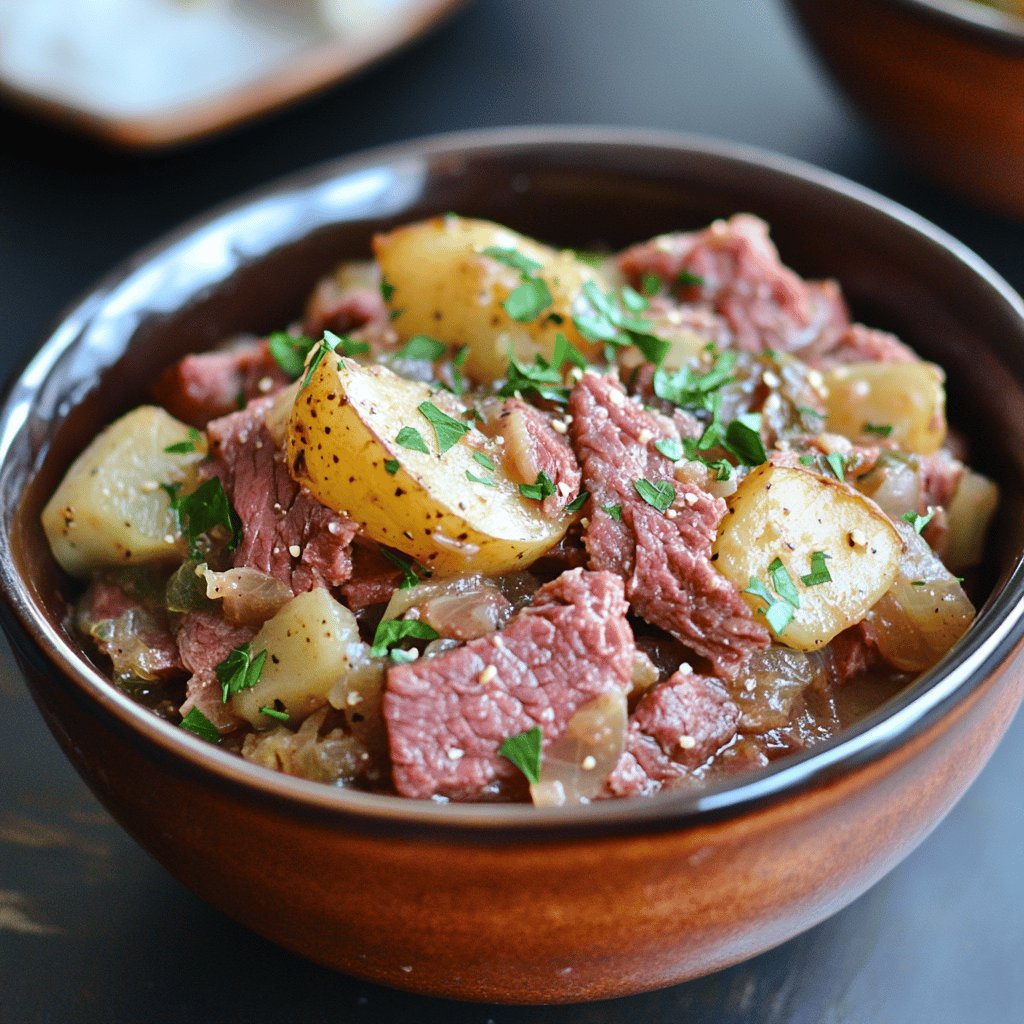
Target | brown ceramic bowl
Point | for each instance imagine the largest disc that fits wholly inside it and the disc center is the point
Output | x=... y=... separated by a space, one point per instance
x=942 y=79
x=508 y=902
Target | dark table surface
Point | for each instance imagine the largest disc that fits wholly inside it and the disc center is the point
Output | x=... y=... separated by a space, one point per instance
x=91 y=929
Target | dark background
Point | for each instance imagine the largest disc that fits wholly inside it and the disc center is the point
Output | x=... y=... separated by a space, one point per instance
x=90 y=928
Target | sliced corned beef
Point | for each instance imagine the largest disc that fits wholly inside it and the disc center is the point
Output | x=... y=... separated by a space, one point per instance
x=358 y=311
x=202 y=387
x=286 y=533
x=205 y=639
x=664 y=557
x=859 y=344
x=734 y=267
x=532 y=446
x=676 y=727
x=447 y=716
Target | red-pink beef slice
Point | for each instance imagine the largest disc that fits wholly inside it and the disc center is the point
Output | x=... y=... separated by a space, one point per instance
x=286 y=532
x=205 y=639
x=664 y=557
x=544 y=451
x=741 y=277
x=860 y=344
x=676 y=727
x=202 y=387
x=359 y=312
x=447 y=716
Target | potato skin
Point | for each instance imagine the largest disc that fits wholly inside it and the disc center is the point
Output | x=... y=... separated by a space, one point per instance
x=909 y=397
x=444 y=287
x=789 y=514
x=342 y=432
x=109 y=509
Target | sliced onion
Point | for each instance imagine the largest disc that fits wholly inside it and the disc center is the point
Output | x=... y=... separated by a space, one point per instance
x=894 y=484
x=772 y=680
x=925 y=611
x=249 y=596
x=575 y=766
x=967 y=518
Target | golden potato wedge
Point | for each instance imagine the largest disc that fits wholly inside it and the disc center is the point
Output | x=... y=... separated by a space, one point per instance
x=342 y=441
x=789 y=514
x=445 y=287
x=311 y=643
x=909 y=397
x=110 y=508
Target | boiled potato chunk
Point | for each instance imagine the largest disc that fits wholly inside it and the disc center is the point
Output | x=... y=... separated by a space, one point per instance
x=909 y=397
x=789 y=514
x=110 y=508
x=311 y=643
x=445 y=287
x=342 y=433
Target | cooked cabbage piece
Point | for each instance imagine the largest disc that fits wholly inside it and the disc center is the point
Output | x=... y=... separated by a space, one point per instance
x=793 y=525
x=110 y=508
x=442 y=283
x=445 y=508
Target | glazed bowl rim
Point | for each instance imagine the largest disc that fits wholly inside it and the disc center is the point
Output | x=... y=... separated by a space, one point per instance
x=981 y=21
x=998 y=628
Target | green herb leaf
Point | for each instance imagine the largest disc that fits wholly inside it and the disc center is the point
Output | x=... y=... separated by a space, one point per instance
x=448 y=431
x=391 y=466
x=186 y=447
x=566 y=352
x=411 y=438
x=633 y=300
x=806 y=460
x=542 y=488
x=691 y=390
x=206 y=508
x=743 y=439
x=239 y=671
x=458 y=382
x=409 y=576
x=652 y=348
x=758 y=589
x=421 y=346
x=536 y=378
x=779 y=616
x=528 y=301
x=819 y=571
x=513 y=258
x=651 y=284
x=473 y=478
x=670 y=447
x=524 y=752
x=878 y=429
x=272 y=712
x=615 y=511
x=386 y=289
x=578 y=502
x=689 y=279
x=392 y=631
x=484 y=460
x=290 y=352
x=783 y=583
x=660 y=495
x=328 y=343
x=837 y=463
x=196 y=722
x=916 y=521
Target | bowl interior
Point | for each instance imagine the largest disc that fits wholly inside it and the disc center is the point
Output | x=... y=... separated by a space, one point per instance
x=250 y=266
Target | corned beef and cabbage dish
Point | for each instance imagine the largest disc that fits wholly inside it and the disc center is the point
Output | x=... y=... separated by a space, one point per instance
x=495 y=521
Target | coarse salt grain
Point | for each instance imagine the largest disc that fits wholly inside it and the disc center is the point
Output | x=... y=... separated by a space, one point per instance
x=353 y=699
x=487 y=675
x=294 y=550
x=687 y=743
x=645 y=435
x=455 y=753
x=589 y=763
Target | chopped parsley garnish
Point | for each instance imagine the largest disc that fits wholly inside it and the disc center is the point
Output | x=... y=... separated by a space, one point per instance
x=651 y=284
x=916 y=521
x=670 y=447
x=391 y=466
x=409 y=575
x=484 y=460
x=513 y=258
x=806 y=460
x=186 y=447
x=458 y=382
x=526 y=302
x=652 y=348
x=632 y=299
x=328 y=343
x=539 y=377
x=566 y=352
x=613 y=320
x=386 y=289
x=659 y=495
x=778 y=614
x=196 y=722
x=239 y=671
x=447 y=430
x=808 y=413
x=837 y=463
x=524 y=752
x=819 y=571
x=543 y=487
x=692 y=390
x=273 y=712
x=578 y=502
x=349 y=346
x=421 y=346
x=591 y=257
x=206 y=508
x=689 y=279
x=615 y=511
x=743 y=439
x=783 y=583
x=392 y=631
x=473 y=478
x=411 y=438
x=878 y=429
x=290 y=352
